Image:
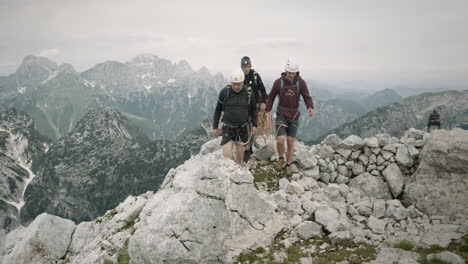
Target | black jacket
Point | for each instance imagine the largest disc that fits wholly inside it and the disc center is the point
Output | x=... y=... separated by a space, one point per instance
x=239 y=108
x=253 y=80
x=434 y=117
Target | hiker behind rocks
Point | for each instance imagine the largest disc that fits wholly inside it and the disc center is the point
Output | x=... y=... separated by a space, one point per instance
x=238 y=107
x=253 y=80
x=289 y=87
x=434 y=120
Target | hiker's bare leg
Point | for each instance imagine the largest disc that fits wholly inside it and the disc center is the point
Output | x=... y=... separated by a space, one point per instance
x=290 y=152
x=240 y=154
x=280 y=142
x=227 y=149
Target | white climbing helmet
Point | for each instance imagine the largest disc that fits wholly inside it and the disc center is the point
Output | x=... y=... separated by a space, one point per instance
x=237 y=76
x=291 y=66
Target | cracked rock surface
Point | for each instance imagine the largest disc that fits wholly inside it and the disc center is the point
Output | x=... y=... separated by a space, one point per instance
x=207 y=211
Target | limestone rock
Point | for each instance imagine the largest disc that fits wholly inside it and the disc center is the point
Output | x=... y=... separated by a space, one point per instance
x=358 y=169
x=332 y=140
x=202 y=214
x=371 y=186
x=331 y=219
x=439 y=184
x=308 y=229
x=44 y=241
x=376 y=225
x=352 y=142
x=394 y=178
x=373 y=142
x=446 y=256
x=403 y=157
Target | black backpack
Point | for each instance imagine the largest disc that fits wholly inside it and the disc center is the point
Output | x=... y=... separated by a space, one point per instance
x=228 y=92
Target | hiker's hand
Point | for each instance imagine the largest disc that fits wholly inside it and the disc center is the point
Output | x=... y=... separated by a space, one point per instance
x=253 y=130
x=216 y=132
x=310 y=111
x=262 y=107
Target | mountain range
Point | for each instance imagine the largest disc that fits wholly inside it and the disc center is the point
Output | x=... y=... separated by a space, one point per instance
x=413 y=111
x=92 y=168
x=164 y=99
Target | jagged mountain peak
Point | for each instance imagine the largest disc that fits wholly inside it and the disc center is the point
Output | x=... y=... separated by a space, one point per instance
x=204 y=70
x=183 y=68
x=68 y=68
x=31 y=60
x=108 y=124
x=149 y=61
x=33 y=71
x=145 y=57
x=108 y=65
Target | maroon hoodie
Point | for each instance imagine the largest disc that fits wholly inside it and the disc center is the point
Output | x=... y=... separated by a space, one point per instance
x=289 y=98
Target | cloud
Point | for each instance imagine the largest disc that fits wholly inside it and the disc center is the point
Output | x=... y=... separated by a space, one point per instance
x=49 y=53
x=274 y=43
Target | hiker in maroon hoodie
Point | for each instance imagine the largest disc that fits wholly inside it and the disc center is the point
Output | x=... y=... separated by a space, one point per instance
x=289 y=87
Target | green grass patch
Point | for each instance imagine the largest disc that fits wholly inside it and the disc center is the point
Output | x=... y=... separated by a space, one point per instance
x=265 y=172
x=123 y=257
x=251 y=257
x=107 y=216
x=354 y=253
x=66 y=261
x=129 y=226
x=433 y=261
x=404 y=244
x=108 y=261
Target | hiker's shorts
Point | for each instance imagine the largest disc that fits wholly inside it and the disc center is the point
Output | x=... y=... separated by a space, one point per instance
x=237 y=135
x=433 y=123
x=290 y=130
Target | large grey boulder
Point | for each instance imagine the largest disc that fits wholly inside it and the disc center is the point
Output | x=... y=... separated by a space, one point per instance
x=264 y=153
x=376 y=225
x=403 y=157
x=352 y=142
x=331 y=219
x=371 y=186
x=207 y=210
x=439 y=184
x=308 y=230
x=211 y=146
x=306 y=159
x=332 y=140
x=394 y=178
x=44 y=241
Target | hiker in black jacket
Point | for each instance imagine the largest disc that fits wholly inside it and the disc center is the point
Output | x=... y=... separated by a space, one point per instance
x=253 y=79
x=236 y=103
x=434 y=120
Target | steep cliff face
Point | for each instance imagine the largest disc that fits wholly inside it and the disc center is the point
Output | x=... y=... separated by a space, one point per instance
x=95 y=166
x=21 y=149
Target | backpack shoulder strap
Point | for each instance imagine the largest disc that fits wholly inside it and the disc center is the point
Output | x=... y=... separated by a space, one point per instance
x=281 y=86
x=255 y=76
x=227 y=91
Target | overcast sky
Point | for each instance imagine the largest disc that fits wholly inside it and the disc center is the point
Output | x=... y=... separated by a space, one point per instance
x=386 y=42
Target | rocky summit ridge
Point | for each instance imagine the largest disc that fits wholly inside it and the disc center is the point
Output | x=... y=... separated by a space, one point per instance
x=374 y=200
